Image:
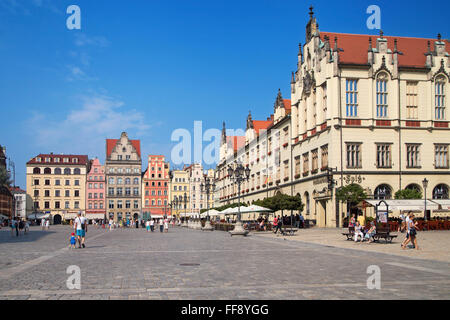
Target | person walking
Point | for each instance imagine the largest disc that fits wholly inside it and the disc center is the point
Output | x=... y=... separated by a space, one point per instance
x=13 y=227
x=412 y=232
x=161 y=225
x=166 y=225
x=152 y=225
x=302 y=221
x=47 y=224
x=27 y=227
x=81 y=228
x=147 y=225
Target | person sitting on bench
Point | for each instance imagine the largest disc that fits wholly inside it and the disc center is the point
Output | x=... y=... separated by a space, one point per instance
x=372 y=231
x=358 y=232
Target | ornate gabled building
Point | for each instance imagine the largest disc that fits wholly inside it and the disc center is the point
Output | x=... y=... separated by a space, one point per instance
x=374 y=109
x=155 y=186
x=123 y=178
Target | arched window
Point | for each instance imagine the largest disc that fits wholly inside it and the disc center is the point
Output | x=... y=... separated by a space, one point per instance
x=382 y=95
x=383 y=191
x=127 y=181
x=414 y=186
x=76 y=171
x=67 y=171
x=47 y=171
x=439 y=98
x=57 y=171
x=440 y=191
x=36 y=171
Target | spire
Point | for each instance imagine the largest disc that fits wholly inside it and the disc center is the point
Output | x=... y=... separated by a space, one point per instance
x=311 y=12
x=249 y=120
x=279 y=101
x=224 y=134
x=381 y=34
x=292 y=77
x=439 y=37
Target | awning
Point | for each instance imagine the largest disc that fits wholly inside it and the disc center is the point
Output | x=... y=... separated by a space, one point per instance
x=255 y=208
x=405 y=205
x=70 y=215
x=3 y=216
x=95 y=216
x=444 y=204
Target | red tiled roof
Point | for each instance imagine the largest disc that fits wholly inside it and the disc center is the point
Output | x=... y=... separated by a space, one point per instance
x=356 y=46
x=287 y=104
x=261 y=125
x=82 y=159
x=111 y=143
x=16 y=189
x=236 y=141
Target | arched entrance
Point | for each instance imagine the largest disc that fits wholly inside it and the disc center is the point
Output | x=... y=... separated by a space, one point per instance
x=135 y=216
x=57 y=219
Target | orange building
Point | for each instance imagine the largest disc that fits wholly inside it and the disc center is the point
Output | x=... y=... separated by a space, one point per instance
x=155 y=185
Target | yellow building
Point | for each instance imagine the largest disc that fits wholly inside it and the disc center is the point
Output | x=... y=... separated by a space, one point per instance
x=374 y=109
x=179 y=188
x=56 y=185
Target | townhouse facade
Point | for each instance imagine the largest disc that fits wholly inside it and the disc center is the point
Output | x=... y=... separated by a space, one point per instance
x=123 y=178
x=179 y=191
x=56 y=185
x=96 y=191
x=155 y=184
x=371 y=110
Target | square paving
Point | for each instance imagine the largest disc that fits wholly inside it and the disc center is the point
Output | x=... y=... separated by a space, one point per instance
x=191 y=264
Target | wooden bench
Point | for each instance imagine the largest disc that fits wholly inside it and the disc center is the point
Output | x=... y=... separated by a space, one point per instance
x=350 y=234
x=288 y=230
x=383 y=233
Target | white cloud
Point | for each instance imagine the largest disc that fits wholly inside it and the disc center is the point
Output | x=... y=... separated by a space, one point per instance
x=84 y=130
x=76 y=73
x=81 y=39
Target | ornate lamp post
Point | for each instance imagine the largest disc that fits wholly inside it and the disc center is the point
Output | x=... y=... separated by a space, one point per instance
x=239 y=175
x=207 y=187
x=185 y=199
x=425 y=185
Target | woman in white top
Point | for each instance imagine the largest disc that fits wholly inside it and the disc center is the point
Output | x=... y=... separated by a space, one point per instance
x=47 y=224
x=152 y=225
x=166 y=225
x=358 y=232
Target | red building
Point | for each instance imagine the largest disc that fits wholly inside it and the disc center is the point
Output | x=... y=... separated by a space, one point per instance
x=96 y=191
x=156 y=188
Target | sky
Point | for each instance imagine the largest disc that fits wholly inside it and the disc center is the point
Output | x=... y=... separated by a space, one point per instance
x=149 y=67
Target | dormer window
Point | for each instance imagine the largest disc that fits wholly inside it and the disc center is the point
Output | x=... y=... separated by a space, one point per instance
x=38 y=159
x=75 y=160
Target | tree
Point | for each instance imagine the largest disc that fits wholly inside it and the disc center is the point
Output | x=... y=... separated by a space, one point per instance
x=408 y=194
x=352 y=194
x=5 y=177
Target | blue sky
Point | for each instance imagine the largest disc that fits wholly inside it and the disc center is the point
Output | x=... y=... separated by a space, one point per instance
x=149 y=67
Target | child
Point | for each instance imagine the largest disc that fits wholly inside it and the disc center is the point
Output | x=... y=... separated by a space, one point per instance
x=73 y=241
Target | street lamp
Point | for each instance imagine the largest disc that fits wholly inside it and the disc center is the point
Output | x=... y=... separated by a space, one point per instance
x=207 y=187
x=425 y=185
x=239 y=175
x=185 y=199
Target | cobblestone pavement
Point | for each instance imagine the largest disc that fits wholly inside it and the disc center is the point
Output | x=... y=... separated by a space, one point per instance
x=190 y=264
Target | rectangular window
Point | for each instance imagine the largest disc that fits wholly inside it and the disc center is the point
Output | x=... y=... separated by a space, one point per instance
x=111 y=191
x=77 y=193
x=136 y=204
x=119 y=204
x=305 y=163
x=128 y=204
x=47 y=205
x=440 y=99
x=77 y=205
x=119 y=191
x=128 y=191
x=382 y=96
x=67 y=193
x=111 y=204
x=57 y=205
x=136 y=191
x=324 y=156
x=47 y=193
x=66 y=205
x=36 y=182
x=297 y=166
x=351 y=88
x=411 y=100
x=384 y=155
x=57 y=182
x=353 y=155
x=324 y=102
x=441 y=156
x=412 y=155
x=315 y=160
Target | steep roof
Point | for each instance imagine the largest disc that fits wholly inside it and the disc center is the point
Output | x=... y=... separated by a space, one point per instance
x=237 y=142
x=356 y=46
x=82 y=159
x=261 y=125
x=111 y=143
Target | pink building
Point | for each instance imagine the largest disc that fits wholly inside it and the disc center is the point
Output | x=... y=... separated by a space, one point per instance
x=96 y=191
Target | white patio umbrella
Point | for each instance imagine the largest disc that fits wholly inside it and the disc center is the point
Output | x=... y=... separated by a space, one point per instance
x=255 y=208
